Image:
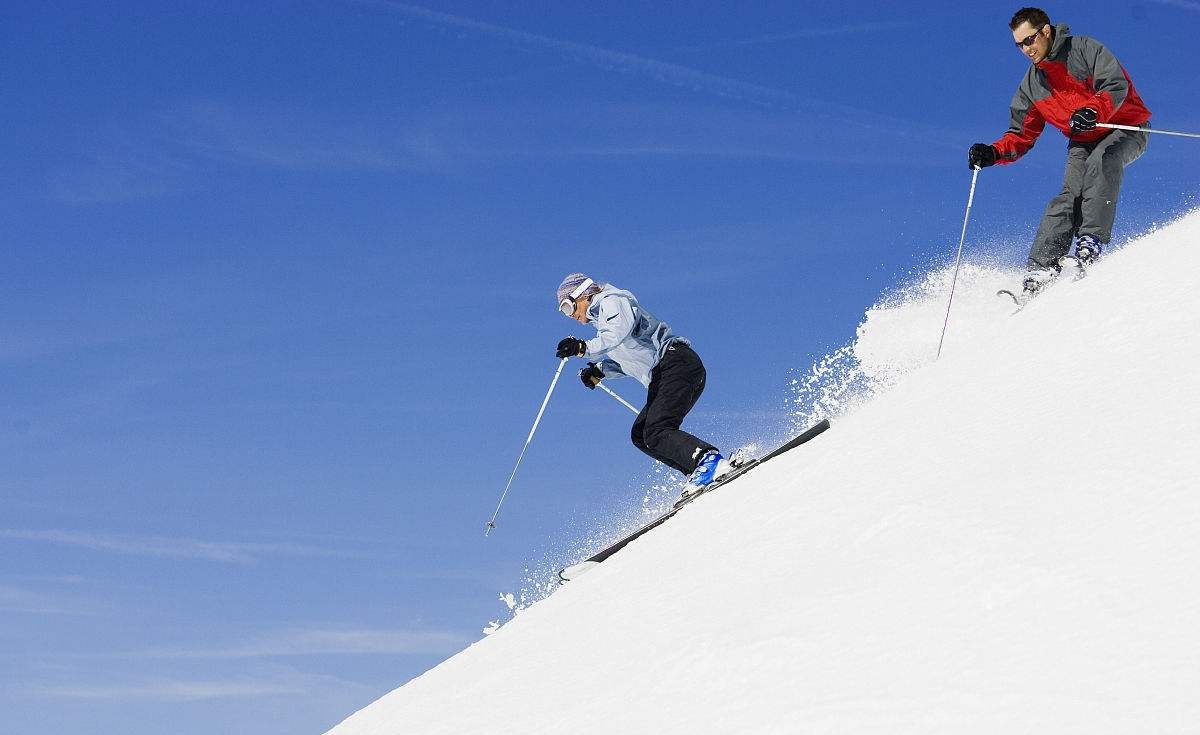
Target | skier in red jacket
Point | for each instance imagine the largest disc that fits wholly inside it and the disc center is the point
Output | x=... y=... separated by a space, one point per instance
x=1073 y=84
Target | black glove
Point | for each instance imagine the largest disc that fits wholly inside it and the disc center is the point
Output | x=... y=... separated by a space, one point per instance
x=981 y=155
x=1083 y=120
x=570 y=347
x=591 y=376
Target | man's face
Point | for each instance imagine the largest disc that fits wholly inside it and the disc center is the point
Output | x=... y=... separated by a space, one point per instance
x=1033 y=42
x=581 y=307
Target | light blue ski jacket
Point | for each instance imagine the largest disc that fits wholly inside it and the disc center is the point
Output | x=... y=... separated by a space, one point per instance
x=629 y=340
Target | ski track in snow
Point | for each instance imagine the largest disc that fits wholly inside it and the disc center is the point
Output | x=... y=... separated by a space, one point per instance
x=1000 y=541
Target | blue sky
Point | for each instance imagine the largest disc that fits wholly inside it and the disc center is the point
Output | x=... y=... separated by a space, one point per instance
x=277 y=300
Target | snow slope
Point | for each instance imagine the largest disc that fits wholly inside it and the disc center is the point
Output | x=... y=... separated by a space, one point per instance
x=1005 y=540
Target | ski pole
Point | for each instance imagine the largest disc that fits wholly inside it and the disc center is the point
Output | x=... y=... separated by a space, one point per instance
x=1147 y=130
x=620 y=400
x=958 y=260
x=492 y=523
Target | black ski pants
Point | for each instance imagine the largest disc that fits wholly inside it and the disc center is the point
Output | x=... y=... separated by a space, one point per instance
x=675 y=385
x=1087 y=204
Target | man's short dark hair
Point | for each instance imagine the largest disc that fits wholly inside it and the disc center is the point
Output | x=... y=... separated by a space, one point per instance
x=1035 y=16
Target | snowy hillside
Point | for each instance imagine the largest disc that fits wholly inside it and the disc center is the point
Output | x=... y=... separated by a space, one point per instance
x=1006 y=540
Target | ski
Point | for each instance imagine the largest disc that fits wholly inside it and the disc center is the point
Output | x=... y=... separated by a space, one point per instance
x=1073 y=268
x=1019 y=300
x=575 y=570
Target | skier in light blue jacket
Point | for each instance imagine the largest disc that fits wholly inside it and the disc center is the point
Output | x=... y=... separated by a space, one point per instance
x=631 y=341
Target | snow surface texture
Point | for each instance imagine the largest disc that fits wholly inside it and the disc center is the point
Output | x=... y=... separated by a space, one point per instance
x=1005 y=540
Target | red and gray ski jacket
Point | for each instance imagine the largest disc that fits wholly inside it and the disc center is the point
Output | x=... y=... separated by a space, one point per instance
x=1078 y=72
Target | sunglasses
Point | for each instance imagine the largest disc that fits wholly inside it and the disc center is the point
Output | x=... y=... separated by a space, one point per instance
x=1028 y=40
x=567 y=305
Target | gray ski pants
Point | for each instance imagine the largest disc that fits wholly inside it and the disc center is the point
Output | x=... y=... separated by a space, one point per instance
x=1088 y=202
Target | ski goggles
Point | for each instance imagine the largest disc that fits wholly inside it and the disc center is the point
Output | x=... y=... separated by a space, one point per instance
x=567 y=305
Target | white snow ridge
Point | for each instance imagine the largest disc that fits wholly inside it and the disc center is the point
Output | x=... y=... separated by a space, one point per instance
x=1005 y=541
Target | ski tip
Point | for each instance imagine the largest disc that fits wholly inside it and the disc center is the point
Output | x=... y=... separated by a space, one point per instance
x=576 y=570
x=1009 y=294
x=680 y=502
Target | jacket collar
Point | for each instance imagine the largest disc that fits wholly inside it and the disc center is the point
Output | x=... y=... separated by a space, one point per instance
x=1061 y=33
x=594 y=305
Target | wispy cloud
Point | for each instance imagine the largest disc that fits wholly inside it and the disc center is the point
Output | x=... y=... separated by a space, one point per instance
x=800 y=34
x=666 y=72
x=170 y=149
x=163 y=151
x=169 y=547
x=31 y=339
x=299 y=140
x=641 y=131
x=619 y=61
x=259 y=683
x=173 y=690
x=200 y=138
x=110 y=174
x=1186 y=4
x=327 y=642
x=19 y=600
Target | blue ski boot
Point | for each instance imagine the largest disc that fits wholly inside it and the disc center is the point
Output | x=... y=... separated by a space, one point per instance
x=1087 y=249
x=712 y=467
x=706 y=470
